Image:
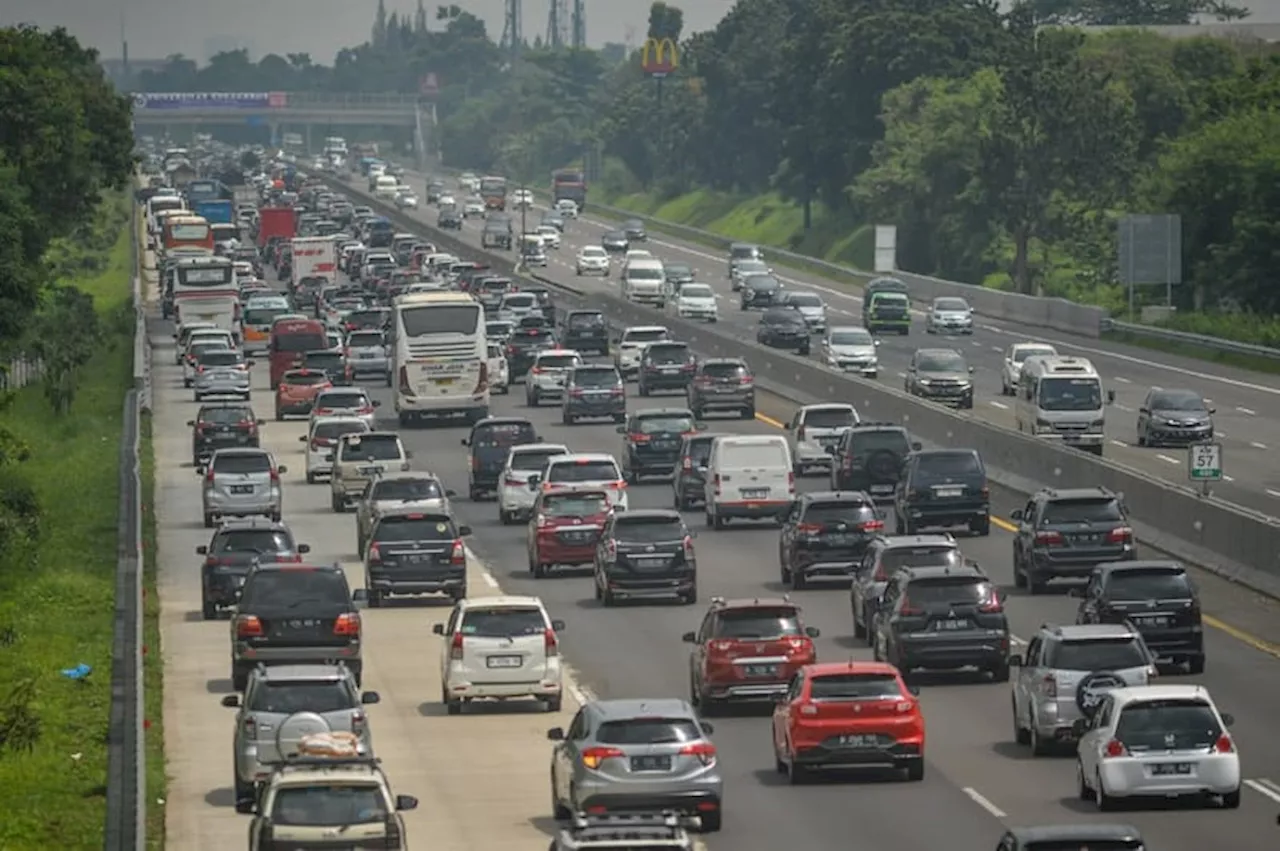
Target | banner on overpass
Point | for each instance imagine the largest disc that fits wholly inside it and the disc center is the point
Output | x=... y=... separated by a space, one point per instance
x=210 y=100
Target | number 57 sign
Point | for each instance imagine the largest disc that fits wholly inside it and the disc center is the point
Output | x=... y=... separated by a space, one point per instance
x=1204 y=462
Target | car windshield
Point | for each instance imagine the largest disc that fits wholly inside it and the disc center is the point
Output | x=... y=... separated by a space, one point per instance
x=667 y=354
x=365 y=340
x=221 y=357
x=290 y=696
x=1157 y=583
x=289 y=587
x=649 y=530
x=1104 y=510
x=763 y=282
x=595 y=378
x=241 y=463
x=696 y=291
x=940 y=556
x=838 y=687
x=662 y=424
x=575 y=505
x=651 y=335
x=407 y=489
x=804 y=300
x=941 y=362
x=859 y=337
x=534 y=459
x=834 y=513
x=257 y=541
x=725 y=370
x=327 y=804
x=414 y=527
x=829 y=417
x=644 y=273
x=305 y=379
x=678 y=270
x=950 y=304
x=757 y=623
x=557 y=361
x=1070 y=394
x=226 y=416
x=960 y=590
x=615 y=236
x=1168 y=725
x=505 y=622
x=342 y=399
x=334 y=430
x=594 y=251
x=1177 y=401
x=583 y=471
x=947 y=464
x=648 y=731
x=372 y=447
x=1022 y=353
x=503 y=434
x=586 y=320
x=323 y=360
x=1104 y=654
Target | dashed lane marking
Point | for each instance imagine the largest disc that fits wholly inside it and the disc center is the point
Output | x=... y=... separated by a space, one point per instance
x=984 y=802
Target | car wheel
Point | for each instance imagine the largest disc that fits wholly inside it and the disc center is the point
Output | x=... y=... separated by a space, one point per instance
x=311 y=478
x=711 y=821
x=1231 y=800
x=749 y=413
x=1105 y=802
x=208 y=521
x=335 y=503
x=553 y=704
x=239 y=678
x=915 y=771
x=208 y=609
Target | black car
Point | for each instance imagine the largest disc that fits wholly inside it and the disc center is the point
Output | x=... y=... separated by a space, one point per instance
x=415 y=552
x=434 y=190
x=885 y=555
x=449 y=219
x=634 y=230
x=1064 y=533
x=677 y=274
x=824 y=535
x=760 y=291
x=594 y=390
x=585 y=331
x=1174 y=417
x=222 y=426
x=665 y=365
x=943 y=487
x=942 y=618
x=869 y=456
x=1104 y=837
x=294 y=614
x=489 y=442
x=615 y=242
x=723 y=384
x=234 y=549
x=524 y=344
x=688 y=484
x=553 y=219
x=645 y=554
x=783 y=328
x=1155 y=597
x=331 y=362
x=652 y=439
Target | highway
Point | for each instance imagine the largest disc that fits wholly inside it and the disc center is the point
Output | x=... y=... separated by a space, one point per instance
x=1245 y=401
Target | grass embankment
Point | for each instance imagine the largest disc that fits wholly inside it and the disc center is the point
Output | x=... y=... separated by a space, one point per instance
x=56 y=608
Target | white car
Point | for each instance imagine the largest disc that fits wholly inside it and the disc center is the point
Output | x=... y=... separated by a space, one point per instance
x=322 y=436
x=547 y=375
x=626 y=356
x=345 y=402
x=850 y=348
x=584 y=471
x=697 y=301
x=500 y=647
x=447 y=201
x=407 y=201
x=499 y=371
x=550 y=235
x=1158 y=741
x=474 y=208
x=567 y=208
x=949 y=315
x=1014 y=357
x=515 y=499
x=593 y=260
x=814 y=430
x=634 y=254
x=522 y=199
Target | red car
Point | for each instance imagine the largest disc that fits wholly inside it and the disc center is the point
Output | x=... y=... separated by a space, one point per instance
x=564 y=527
x=849 y=715
x=298 y=390
x=747 y=651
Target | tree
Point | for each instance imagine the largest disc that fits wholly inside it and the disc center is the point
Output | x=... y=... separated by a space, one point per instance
x=665 y=21
x=1132 y=13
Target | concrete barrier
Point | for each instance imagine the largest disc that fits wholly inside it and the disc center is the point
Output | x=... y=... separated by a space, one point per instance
x=1220 y=536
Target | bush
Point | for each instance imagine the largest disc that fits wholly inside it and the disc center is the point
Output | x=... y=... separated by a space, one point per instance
x=1240 y=327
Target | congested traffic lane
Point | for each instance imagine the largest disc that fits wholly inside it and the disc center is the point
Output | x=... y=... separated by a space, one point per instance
x=976 y=775
x=1245 y=401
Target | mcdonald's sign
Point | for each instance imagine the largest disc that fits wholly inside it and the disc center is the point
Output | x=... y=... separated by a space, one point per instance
x=659 y=57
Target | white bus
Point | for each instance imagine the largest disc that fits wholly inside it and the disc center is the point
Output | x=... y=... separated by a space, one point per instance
x=1062 y=398
x=441 y=359
x=204 y=290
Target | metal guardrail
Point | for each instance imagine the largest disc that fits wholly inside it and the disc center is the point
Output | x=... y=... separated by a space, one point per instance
x=351 y=100
x=1202 y=341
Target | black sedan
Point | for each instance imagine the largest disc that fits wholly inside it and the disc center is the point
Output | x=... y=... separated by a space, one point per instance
x=783 y=328
x=615 y=242
x=760 y=291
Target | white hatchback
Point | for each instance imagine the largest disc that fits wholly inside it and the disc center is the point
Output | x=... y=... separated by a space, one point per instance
x=323 y=434
x=500 y=648
x=697 y=301
x=515 y=499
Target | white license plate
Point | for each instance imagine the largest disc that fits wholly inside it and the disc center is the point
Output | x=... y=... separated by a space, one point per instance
x=882 y=488
x=945 y=493
x=755 y=493
x=951 y=625
x=442 y=382
x=241 y=489
x=670 y=370
x=503 y=662
x=1152 y=620
x=369 y=471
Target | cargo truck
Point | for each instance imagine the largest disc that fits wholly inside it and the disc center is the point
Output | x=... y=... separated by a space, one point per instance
x=216 y=212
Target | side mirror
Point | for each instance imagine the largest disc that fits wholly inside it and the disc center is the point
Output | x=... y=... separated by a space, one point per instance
x=370 y=697
x=360 y=595
x=466 y=441
x=689 y=638
x=202 y=550
x=378 y=404
x=192 y=423
x=621 y=429
x=303 y=549
x=786 y=427
x=282 y=469
x=708 y=728
x=812 y=631
x=913 y=690
x=231 y=701
x=1228 y=719
x=246 y=806
x=1076 y=592
x=970 y=372
x=1015 y=660
x=1016 y=514
x=1213 y=410
x=451 y=494
x=1111 y=397
x=557 y=625
x=406 y=802
x=876 y=341
x=408 y=454
x=1080 y=727
x=555 y=734
x=437 y=629
x=916 y=446
x=464 y=531
x=200 y=469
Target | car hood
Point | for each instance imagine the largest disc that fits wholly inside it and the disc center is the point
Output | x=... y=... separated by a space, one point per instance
x=1181 y=416
x=698 y=301
x=944 y=375
x=854 y=351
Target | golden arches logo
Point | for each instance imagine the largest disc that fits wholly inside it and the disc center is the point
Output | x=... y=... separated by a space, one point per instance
x=659 y=57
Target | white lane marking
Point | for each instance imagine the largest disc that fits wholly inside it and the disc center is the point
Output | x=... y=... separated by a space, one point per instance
x=1274 y=493
x=902 y=375
x=996 y=349
x=1122 y=380
x=1123 y=407
x=1120 y=443
x=1256 y=445
x=1168 y=460
x=1265 y=787
x=1250 y=411
x=1156 y=389
x=1001 y=405
x=1227 y=479
x=984 y=802
x=489 y=580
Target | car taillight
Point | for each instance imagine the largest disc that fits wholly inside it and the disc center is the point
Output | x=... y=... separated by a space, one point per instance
x=347 y=623
x=1049 y=686
x=791 y=482
x=703 y=381
x=908 y=609
x=619 y=391
x=250 y=727
x=248 y=626
x=482 y=383
x=275 y=475
x=991 y=605
x=848 y=462
x=1115 y=748
x=1121 y=535
x=357 y=722
x=686 y=463
x=800 y=433
x=283 y=388
x=577 y=393
x=799 y=645
x=512 y=483
x=746 y=380
x=871 y=525
x=636 y=437
x=688 y=546
x=511 y=349
x=809 y=528
x=537 y=370
x=321 y=442
x=689 y=367
x=346 y=353
x=550 y=644
x=375 y=554
x=593 y=757
x=367 y=409
x=1224 y=744
x=208 y=477
x=455 y=648
x=704 y=751
x=881 y=575
x=1049 y=539
x=611 y=549
x=808 y=709
x=459 y=554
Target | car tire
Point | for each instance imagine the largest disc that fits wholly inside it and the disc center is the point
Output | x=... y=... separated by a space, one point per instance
x=749 y=413
x=1231 y=800
x=915 y=771
x=554 y=704
x=335 y=503
x=242 y=791
x=559 y=811
x=710 y=822
x=1195 y=665
x=208 y=609
x=311 y=478
x=279 y=415
x=209 y=522
x=239 y=678
x=1000 y=673
x=981 y=527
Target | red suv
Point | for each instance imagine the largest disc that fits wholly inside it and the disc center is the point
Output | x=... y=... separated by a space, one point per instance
x=747 y=651
x=564 y=527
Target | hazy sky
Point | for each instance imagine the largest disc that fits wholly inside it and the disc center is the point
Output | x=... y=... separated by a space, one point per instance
x=157 y=28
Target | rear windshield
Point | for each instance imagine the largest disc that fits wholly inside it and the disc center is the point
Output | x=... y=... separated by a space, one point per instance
x=518 y=300
x=365 y=339
x=868 y=443
x=414 y=527
x=575 y=505
x=586 y=320
x=305 y=379
x=503 y=434
x=221 y=357
x=335 y=804
x=411 y=489
x=306 y=342
x=829 y=418
x=645 y=336
x=759 y=623
x=725 y=370
x=558 y=361
x=200 y=347
x=940 y=464
x=286 y=698
x=251 y=462
x=595 y=377
x=854 y=687
x=650 y=530
x=742 y=455
x=804 y=300
x=1106 y=510
x=226 y=416
x=667 y=353
x=503 y=623
x=584 y=471
x=372 y=447
x=1104 y=654
x=342 y=399
x=1085 y=845
x=288 y=587
x=744 y=253
x=533 y=460
x=335 y=430
x=1019 y=355
x=260 y=541
x=1150 y=724
x=940 y=556
x=648 y=731
x=828 y=513
x=663 y=423
x=323 y=359
x=263 y=315
x=942 y=592
x=1153 y=584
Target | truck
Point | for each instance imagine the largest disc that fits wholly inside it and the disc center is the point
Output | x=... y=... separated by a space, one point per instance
x=497 y=233
x=276 y=223
x=216 y=212
x=493 y=190
x=570 y=184
x=314 y=257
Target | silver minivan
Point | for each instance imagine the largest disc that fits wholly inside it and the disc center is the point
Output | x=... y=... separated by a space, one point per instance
x=367 y=354
x=241 y=482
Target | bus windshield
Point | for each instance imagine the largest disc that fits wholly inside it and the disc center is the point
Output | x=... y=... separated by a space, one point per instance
x=430 y=319
x=1070 y=394
x=189 y=232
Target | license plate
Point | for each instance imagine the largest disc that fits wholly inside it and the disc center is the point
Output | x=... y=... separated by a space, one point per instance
x=760 y=670
x=1088 y=539
x=838 y=540
x=442 y=382
x=664 y=444
x=867 y=740
x=651 y=562
x=755 y=493
x=1171 y=768
x=1152 y=620
x=948 y=492
x=368 y=354
x=882 y=488
x=829 y=441
x=369 y=471
x=504 y=662
x=950 y=625
x=670 y=370
x=242 y=488
x=224 y=429
x=650 y=763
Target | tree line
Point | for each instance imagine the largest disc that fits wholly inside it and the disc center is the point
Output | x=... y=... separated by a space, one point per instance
x=1004 y=144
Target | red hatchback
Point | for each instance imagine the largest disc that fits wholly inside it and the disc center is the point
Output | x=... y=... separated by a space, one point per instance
x=298 y=390
x=564 y=528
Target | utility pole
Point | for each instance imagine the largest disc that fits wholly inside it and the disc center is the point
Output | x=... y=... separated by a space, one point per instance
x=579 y=25
x=512 y=28
x=557 y=21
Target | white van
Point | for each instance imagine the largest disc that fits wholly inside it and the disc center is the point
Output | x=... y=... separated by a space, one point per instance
x=749 y=476
x=642 y=282
x=1061 y=398
x=386 y=187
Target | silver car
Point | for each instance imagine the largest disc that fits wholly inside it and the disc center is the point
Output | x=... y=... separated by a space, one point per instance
x=637 y=755
x=814 y=433
x=242 y=482
x=367 y=355
x=221 y=372
x=1064 y=675
x=949 y=315
x=850 y=348
x=548 y=374
x=345 y=402
x=284 y=704
x=811 y=307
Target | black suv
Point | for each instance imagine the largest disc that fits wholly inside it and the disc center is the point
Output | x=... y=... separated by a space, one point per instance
x=723 y=384
x=761 y=291
x=235 y=548
x=1155 y=597
x=594 y=390
x=585 y=331
x=415 y=552
x=665 y=365
x=884 y=557
x=869 y=458
x=524 y=344
x=295 y=614
x=331 y=362
x=645 y=554
x=783 y=328
x=449 y=219
x=652 y=439
x=222 y=426
x=942 y=618
x=1065 y=533
x=824 y=535
x=489 y=442
x=688 y=484
x=943 y=487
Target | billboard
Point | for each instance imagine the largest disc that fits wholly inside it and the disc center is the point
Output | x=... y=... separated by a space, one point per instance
x=209 y=100
x=659 y=57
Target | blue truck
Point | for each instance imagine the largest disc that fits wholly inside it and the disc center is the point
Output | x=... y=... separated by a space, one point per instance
x=216 y=212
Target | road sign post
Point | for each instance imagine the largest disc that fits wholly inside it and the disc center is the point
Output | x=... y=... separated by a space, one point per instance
x=1204 y=464
x=1150 y=253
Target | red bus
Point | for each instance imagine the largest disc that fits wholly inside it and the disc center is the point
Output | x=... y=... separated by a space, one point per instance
x=290 y=339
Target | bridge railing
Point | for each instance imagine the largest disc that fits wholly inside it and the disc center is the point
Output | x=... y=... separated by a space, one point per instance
x=351 y=100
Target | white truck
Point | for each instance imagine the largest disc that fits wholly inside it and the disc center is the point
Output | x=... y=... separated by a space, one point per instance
x=314 y=257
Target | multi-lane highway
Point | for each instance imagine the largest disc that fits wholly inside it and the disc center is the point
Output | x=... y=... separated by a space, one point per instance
x=1245 y=401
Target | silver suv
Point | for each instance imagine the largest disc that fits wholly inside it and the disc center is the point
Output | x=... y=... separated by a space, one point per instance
x=367 y=355
x=1064 y=675
x=286 y=703
x=637 y=755
x=241 y=482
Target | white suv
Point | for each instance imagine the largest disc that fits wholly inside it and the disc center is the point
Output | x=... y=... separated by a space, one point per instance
x=515 y=499
x=547 y=375
x=500 y=648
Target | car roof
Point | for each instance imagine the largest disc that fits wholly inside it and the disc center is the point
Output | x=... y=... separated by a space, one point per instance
x=964 y=571
x=241 y=524
x=242 y=450
x=729 y=361
x=365 y=435
x=293 y=567
x=938 y=540
x=407 y=476
x=501 y=601
x=661 y=412
x=488 y=421
x=644 y=328
x=539 y=448
x=827 y=406
x=721 y=604
x=1089 y=631
x=556 y=352
x=1145 y=565
x=642 y=514
x=836 y=496
x=1134 y=694
x=1077 y=831
x=622 y=709
x=819 y=669
x=574 y=457
x=422 y=514
x=313 y=671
